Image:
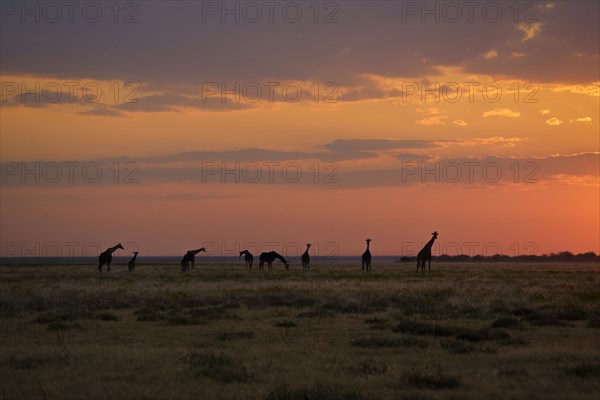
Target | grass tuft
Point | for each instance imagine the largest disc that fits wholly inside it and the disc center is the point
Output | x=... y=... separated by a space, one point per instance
x=285 y=324
x=426 y=378
x=221 y=368
x=370 y=367
x=317 y=392
x=229 y=336
x=583 y=370
x=454 y=346
x=377 y=342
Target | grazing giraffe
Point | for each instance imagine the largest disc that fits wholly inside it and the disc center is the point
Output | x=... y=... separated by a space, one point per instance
x=269 y=258
x=189 y=257
x=131 y=263
x=425 y=254
x=248 y=257
x=366 y=258
x=306 y=258
x=106 y=257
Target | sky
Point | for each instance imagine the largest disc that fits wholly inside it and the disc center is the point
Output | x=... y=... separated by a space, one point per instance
x=168 y=126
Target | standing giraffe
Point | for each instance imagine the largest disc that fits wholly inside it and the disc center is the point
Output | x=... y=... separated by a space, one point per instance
x=366 y=258
x=106 y=256
x=425 y=254
x=131 y=263
x=269 y=258
x=188 y=258
x=248 y=257
x=306 y=258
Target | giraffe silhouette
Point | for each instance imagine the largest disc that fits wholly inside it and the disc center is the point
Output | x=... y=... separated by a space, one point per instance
x=106 y=257
x=425 y=254
x=366 y=258
x=269 y=257
x=189 y=258
x=248 y=258
x=306 y=258
x=131 y=263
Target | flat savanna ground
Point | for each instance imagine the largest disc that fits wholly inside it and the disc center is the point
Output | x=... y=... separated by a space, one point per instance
x=468 y=330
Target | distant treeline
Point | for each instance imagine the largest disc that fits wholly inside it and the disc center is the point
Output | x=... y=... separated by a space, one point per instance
x=564 y=256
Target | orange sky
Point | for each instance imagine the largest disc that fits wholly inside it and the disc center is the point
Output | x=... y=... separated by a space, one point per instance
x=366 y=138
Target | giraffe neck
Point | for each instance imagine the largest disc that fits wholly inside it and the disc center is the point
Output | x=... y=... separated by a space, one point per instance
x=113 y=249
x=279 y=257
x=430 y=243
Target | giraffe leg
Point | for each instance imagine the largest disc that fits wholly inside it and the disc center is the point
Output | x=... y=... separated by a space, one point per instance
x=108 y=267
x=430 y=265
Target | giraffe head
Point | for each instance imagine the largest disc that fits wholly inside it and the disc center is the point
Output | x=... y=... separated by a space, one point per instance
x=135 y=253
x=435 y=234
x=368 y=240
x=307 y=245
x=119 y=246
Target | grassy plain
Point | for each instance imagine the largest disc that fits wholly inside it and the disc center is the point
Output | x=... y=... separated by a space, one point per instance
x=467 y=331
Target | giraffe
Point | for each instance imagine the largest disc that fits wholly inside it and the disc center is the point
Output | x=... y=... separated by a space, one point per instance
x=131 y=264
x=425 y=254
x=189 y=258
x=248 y=257
x=306 y=258
x=106 y=257
x=366 y=258
x=269 y=258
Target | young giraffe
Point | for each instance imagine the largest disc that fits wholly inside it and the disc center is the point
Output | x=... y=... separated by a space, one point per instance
x=425 y=254
x=131 y=263
x=248 y=257
x=106 y=257
x=269 y=258
x=306 y=258
x=188 y=258
x=366 y=258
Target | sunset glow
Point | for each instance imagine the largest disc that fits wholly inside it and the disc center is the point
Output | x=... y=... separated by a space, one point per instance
x=401 y=128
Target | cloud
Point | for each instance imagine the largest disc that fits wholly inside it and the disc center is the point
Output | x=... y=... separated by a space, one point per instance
x=490 y=55
x=582 y=119
x=589 y=90
x=170 y=46
x=459 y=122
x=544 y=112
x=103 y=111
x=175 y=102
x=495 y=141
x=433 y=120
x=530 y=30
x=554 y=121
x=411 y=157
x=435 y=116
x=501 y=112
x=380 y=144
x=412 y=169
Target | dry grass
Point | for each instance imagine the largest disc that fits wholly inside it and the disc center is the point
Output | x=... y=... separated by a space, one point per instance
x=465 y=331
